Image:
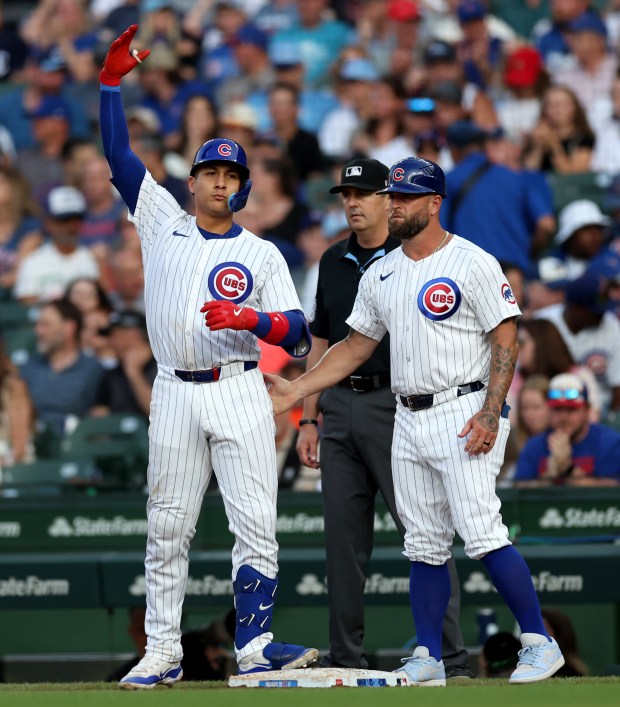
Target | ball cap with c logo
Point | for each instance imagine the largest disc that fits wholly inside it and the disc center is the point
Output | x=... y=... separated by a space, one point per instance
x=364 y=174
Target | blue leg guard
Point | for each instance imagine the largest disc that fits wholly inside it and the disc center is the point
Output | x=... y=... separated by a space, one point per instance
x=254 y=600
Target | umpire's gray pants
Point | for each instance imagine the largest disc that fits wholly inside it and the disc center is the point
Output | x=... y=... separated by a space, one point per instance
x=355 y=453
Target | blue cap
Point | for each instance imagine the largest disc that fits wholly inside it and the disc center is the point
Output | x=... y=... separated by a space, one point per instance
x=359 y=70
x=284 y=54
x=51 y=107
x=588 y=291
x=250 y=34
x=465 y=132
x=53 y=62
x=153 y=5
x=588 y=22
x=420 y=105
x=470 y=10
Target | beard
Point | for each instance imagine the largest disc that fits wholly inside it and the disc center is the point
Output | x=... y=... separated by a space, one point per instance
x=408 y=228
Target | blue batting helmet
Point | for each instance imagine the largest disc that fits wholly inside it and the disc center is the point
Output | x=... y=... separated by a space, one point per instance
x=225 y=150
x=413 y=175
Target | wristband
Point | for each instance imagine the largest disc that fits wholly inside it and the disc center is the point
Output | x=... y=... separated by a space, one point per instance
x=308 y=421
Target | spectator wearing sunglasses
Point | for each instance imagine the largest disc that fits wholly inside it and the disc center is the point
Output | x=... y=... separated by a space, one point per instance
x=573 y=451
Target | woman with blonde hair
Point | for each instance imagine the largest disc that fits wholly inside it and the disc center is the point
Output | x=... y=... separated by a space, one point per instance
x=16 y=415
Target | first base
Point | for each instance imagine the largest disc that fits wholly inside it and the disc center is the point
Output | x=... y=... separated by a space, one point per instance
x=319 y=677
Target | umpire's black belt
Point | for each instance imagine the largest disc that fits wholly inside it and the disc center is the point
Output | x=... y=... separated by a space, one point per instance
x=214 y=374
x=420 y=402
x=362 y=384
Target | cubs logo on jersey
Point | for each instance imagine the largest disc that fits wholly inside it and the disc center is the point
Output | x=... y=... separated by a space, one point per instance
x=507 y=294
x=231 y=281
x=597 y=362
x=439 y=298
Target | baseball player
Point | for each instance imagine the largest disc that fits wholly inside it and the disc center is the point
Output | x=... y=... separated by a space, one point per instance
x=357 y=429
x=451 y=318
x=210 y=411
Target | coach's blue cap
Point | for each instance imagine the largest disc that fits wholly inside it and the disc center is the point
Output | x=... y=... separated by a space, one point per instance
x=359 y=70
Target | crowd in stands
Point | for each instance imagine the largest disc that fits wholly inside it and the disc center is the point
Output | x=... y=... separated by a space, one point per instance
x=518 y=102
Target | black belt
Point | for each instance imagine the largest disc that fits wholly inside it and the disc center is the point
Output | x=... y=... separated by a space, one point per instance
x=362 y=384
x=211 y=375
x=420 y=402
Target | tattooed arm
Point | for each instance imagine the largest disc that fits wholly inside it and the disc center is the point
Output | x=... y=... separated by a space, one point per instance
x=482 y=428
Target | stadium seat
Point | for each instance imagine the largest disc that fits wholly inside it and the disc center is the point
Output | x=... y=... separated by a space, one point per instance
x=48 y=477
x=16 y=315
x=119 y=445
x=20 y=343
x=584 y=185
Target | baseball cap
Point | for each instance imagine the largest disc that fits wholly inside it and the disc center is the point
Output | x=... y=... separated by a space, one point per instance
x=403 y=10
x=567 y=390
x=240 y=115
x=144 y=115
x=576 y=215
x=285 y=54
x=127 y=319
x=51 y=107
x=470 y=10
x=523 y=67
x=250 y=34
x=53 y=62
x=65 y=202
x=588 y=22
x=465 y=132
x=362 y=173
x=587 y=291
x=447 y=92
x=420 y=105
x=153 y=5
x=358 y=70
x=439 y=52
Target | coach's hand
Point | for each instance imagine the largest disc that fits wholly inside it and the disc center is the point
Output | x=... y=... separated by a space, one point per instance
x=223 y=314
x=482 y=430
x=119 y=61
x=282 y=393
x=307 y=446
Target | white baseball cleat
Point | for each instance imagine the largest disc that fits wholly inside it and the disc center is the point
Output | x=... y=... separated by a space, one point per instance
x=539 y=659
x=422 y=670
x=151 y=672
x=278 y=656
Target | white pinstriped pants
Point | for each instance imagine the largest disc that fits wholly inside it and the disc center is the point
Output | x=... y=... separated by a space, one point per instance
x=439 y=488
x=225 y=427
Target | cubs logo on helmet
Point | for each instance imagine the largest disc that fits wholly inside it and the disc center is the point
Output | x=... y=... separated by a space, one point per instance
x=222 y=150
x=507 y=294
x=230 y=281
x=413 y=175
x=439 y=298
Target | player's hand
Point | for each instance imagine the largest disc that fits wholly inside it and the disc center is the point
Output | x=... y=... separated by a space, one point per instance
x=307 y=446
x=482 y=430
x=119 y=61
x=223 y=314
x=282 y=393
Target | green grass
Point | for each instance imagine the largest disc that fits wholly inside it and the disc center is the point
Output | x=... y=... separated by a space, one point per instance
x=572 y=692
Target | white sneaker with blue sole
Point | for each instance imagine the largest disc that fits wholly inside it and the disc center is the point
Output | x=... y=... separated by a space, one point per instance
x=278 y=656
x=539 y=659
x=151 y=672
x=422 y=670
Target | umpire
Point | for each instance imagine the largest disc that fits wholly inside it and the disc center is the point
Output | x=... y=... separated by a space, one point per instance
x=358 y=420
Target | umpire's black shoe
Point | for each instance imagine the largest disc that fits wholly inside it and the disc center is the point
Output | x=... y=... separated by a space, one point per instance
x=458 y=672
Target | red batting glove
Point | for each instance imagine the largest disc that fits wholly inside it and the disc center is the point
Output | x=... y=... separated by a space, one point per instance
x=223 y=314
x=119 y=61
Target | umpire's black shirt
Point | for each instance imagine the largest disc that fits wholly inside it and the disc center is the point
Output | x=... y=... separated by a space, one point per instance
x=340 y=271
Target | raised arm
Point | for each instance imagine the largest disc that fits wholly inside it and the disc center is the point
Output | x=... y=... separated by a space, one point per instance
x=127 y=170
x=339 y=361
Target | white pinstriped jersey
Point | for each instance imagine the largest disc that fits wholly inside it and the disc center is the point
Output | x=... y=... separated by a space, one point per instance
x=438 y=311
x=183 y=270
